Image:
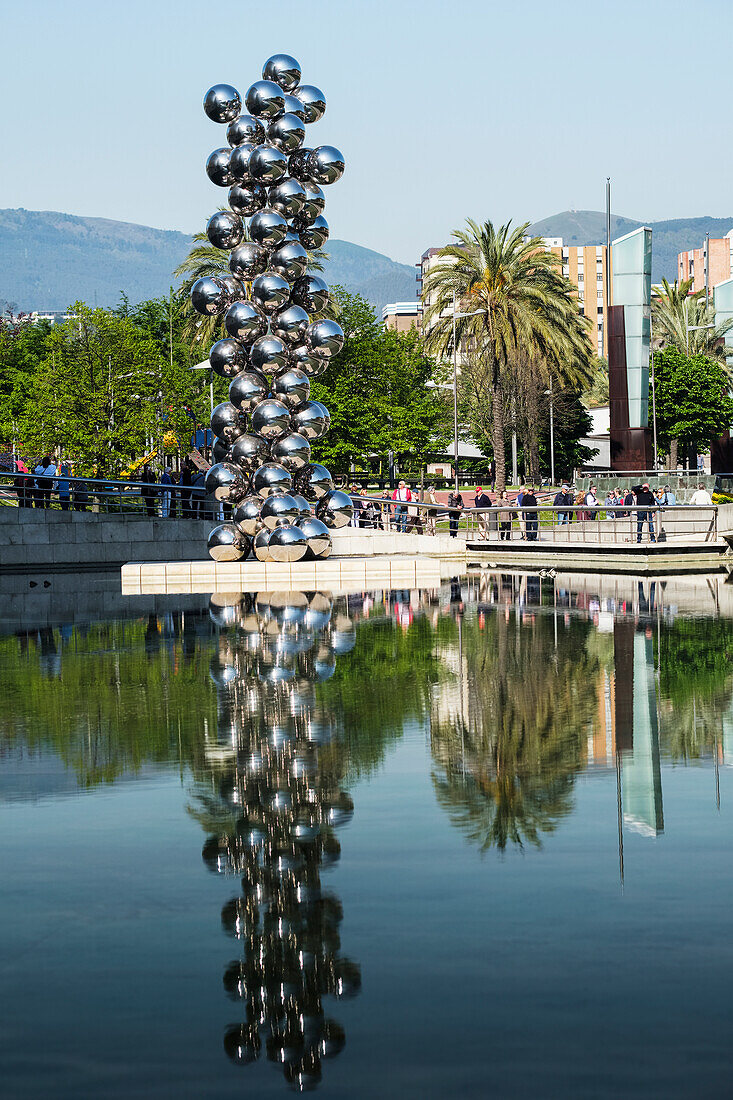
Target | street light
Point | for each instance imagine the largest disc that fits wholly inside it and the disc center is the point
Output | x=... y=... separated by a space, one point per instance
x=552 y=437
x=476 y=313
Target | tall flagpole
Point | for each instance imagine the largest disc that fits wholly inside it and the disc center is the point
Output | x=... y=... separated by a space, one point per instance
x=608 y=266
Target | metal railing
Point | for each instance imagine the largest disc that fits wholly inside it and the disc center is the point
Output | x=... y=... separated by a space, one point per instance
x=88 y=494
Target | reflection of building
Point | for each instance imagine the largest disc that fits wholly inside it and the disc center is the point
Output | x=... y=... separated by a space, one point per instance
x=642 y=775
x=279 y=808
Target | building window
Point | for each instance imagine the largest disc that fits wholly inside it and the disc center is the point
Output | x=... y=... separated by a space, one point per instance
x=599 y=280
x=599 y=311
x=581 y=278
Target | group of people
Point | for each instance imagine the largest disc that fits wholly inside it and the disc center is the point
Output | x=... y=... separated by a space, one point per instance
x=639 y=500
x=180 y=494
x=34 y=487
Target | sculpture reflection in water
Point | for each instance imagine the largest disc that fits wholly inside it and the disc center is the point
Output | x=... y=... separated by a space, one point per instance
x=286 y=805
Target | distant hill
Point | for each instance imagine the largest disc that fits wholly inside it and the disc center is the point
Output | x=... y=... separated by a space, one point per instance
x=668 y=237
x=50 y=260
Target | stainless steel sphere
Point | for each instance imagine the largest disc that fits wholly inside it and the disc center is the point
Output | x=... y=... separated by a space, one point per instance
x=270 y=292
x=244 y=322
x=247 y=390
x=224 y=230
x=271 y=479
x=283 y=70
x=317 y=536
x=248 y=453
x=315 y=201
x=208 y=296
x=324 y=339
x=269 y=354
x=326 y=414
x=298 y=165
x=310 y=292
x=286 y=132
x=293 y=106
x=291 y=387
x=245 y=128
x=335 y=509
x=287 y=197
x=247 y=516
x=314 y=481
x=271 y=419
x=228 y=357
x=305 y=509
x=217 y=167
x=227 y=543
x=290 y=324
x=221 y=450
x=239 y=163
x=300 y=357
x=267 y=164
x=313 y=100
x=326 y=164
x=227 y=422
x=224 y=482
x=289 y=260
x=233 y=288
x=248 y=261
x=292 y=451
x=261 y=545
x=222 y=103
x=309 y=421
x=314 y=235
x=268 y=228
x=279 y=509
x=287 y=542
x=246 y=201
x=264 y=99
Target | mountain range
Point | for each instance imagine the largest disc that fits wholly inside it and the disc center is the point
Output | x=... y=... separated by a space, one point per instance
x=51 y=259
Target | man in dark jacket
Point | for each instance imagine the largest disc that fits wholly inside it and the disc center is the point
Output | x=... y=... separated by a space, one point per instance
x=563 y=499
x=529 y=500
x=644 y=500
x=482 y=500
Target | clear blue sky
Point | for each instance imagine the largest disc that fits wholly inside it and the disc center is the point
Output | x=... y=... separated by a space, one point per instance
x=444 y=111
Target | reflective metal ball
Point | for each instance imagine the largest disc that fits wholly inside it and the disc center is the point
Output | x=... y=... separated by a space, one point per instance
x=305 y=509
x=315 y=202
x=291 y=387
x=324 y=339
x=247 y=390
x=293 y=106
x=224 y=229
x=314 y=235
x=335 y=509
x=313 y=100
x=290 y=324
x=267 y=164
x=310 y=292
x=298 y=165
x=268 y=228
x=261 y=545
x=286 y=132
x=317 y=536
x=227 y=543
x=227 y=422
x=271 y=479
x=246 y=201
x=247 y=516
x=279 y=509
x=208 y=296
x=270 y=292
x=244 y=322
x=284 y=70
x=271 y=419
x=309 y=420
x=269 y=354
x=293 y=452
x=326 y=164
x=217 y=167
x=239 y=163
x=245 y=128
x=287 y=542
x=224 y=482
x=228 y=357
x=287 y=197
x=221 y=451
x=248 y=453
x=248 y=261
x=233 y=288
x=222 y=103
x=264 y=99
x=314 y=481
x=289 y=260
x=300 y=357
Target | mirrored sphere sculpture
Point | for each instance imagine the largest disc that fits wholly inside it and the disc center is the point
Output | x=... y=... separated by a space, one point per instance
x=335 y=509
x=309 y=420
x=244 y=321
x=271 y=478
x=270 y=292
x=314 y=481
x=300 y=357
x=317 y=536
x=261 y=545
x=264 y=99
x=221 y=451
x=291 y=387
x=222 y=103
x=248 y=453
x=227 y=422
x=208 y=296
x=290 y=324
x=271 y=419
x=268 y=228
x=224 y=482
x=278 y=509
x=247 y=390
x=248 y=261
x=245 y=128
x=313 y=100
x=247 y=200
x=287 y=197
x=326 y=164
x=267 y=164
x=284 y=70
x=310 y=292
x=286 y=132
x=293 y=451
x=269 y=354
x=227 y=357
x=289 y=260
x=314 y=235
x=324 y=339
x=217 y=167
x=224 y=229
x=246 y=516
x=298 y=165
x=239 y=163
x=227 y=543
x=287 y=542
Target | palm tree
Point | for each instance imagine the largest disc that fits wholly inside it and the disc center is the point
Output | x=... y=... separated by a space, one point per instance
x=524 y=305
x=682 y=319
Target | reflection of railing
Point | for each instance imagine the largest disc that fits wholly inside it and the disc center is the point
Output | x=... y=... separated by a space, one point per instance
x=506 y=522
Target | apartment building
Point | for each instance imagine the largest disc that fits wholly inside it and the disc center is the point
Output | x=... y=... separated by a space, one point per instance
x=401 y=316
x=719 y=260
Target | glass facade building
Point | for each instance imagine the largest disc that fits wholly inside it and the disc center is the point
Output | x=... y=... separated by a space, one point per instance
x=632 y=289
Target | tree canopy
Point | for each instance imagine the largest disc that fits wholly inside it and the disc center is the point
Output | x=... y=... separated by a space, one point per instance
x=693 y=401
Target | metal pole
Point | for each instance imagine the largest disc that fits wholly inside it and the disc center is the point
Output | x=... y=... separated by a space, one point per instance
x=552 y=440
x=608 y=265
x=707 y=271
x=654 y=394
x=515 y=472
x=455 y=397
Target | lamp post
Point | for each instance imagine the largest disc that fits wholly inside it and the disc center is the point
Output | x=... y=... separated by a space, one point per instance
x=552 y=437
x=476 y=313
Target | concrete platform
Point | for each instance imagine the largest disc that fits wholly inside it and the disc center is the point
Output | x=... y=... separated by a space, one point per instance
x=640 y=558
x=337 y=575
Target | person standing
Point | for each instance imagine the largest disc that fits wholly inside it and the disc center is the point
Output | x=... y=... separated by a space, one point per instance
x=671 y=498
x=198 y=494
x=522 y=518
x=591 y=500
x=562 y=500
x=482 y=500
x=148 y=493
x=23 y=483
x=45 y=472
x=645 y=501
x=165 y=496
x=63 y=487
x=186 y=489
x=529 y=500
x=432 y=512
x=402 y=496
x=81 y=496
x=505 y=516
x=455 y=500
x=701 y=496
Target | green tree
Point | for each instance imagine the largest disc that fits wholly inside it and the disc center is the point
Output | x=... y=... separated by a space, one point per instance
x=527 y=316
x=693 y=400
x=23 y=347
